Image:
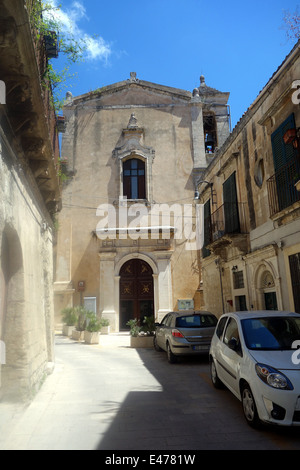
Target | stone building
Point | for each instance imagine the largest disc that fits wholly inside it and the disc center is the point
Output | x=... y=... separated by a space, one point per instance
x=29 y=197
x=134 y=150
x=251 y=254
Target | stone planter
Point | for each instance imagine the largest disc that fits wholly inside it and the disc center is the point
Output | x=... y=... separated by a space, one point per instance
x=77 y=335
x=105 y=330
x=297 y=185
x=141 y=341
x=91 y=337
x=67 y=330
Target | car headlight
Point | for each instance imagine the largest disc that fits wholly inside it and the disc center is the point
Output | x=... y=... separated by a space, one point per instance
x=273 y=377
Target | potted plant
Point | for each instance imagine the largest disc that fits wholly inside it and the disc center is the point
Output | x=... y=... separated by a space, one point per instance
x=92 y=329
x=78 y=333
x=149 y=327
x=105 y=328
x=69 y=319
x=140 y=337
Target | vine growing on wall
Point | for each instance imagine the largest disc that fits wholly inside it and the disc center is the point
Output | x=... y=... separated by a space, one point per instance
x=47 y=27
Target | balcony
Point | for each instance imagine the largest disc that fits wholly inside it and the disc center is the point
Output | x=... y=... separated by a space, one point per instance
x=226 y=226
x=61 y=124
x=51 y=45
x=282 y=191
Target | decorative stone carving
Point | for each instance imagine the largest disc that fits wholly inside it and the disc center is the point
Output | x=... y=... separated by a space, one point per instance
x=267 y=280
x=133 y=77
x=132 y=122
x=132 y=136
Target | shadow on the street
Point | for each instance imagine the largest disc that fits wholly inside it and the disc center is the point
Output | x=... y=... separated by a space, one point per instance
x=187 y=413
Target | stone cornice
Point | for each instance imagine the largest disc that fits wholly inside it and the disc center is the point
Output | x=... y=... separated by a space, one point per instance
x=25 y=106
x=127 y=84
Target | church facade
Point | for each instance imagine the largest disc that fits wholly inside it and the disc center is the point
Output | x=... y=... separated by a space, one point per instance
x=134 y=153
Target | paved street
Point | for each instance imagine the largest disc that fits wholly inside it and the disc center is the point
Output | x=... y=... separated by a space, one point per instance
x=112 y=397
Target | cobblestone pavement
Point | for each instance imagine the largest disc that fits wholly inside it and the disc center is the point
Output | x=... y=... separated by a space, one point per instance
x=111 y=397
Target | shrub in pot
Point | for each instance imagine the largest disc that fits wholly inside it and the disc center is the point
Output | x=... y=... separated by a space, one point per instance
x=134 y=327
x=138 y=337
x=105 y=328
x=92 y=330
x=69 y=318
x=78 y=333
x=149 y=326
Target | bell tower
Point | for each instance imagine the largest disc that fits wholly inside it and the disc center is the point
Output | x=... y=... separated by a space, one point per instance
x=210 y=124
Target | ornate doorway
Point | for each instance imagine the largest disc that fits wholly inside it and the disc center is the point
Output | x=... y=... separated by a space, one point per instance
x=136 y=292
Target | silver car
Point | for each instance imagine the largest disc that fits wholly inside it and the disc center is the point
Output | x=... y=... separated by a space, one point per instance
x=185 y=333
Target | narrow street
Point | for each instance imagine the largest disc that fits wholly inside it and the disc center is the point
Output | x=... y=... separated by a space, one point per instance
x=112 y=397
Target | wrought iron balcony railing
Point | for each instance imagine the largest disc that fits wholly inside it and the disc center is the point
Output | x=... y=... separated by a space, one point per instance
x=282 y=192
x=228 y=219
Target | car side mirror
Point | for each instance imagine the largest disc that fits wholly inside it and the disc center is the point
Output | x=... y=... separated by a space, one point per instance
x=156 y=324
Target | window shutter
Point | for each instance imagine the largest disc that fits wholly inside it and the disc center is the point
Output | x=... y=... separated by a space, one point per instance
x=231 y=213
x=294 y=261
x=282 y=153
x=207 y=229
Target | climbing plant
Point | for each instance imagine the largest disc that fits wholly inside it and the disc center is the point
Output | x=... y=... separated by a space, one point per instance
x=45 y=22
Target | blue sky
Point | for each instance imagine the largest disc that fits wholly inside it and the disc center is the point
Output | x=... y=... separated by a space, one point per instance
x=236 y=45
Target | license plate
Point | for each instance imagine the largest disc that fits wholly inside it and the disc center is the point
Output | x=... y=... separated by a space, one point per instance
x=200 y=348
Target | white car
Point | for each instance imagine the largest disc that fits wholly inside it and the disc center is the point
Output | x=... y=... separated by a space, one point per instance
x=255 y=355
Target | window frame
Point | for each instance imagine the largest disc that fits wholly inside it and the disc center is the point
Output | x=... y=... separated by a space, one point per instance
x=139 y=192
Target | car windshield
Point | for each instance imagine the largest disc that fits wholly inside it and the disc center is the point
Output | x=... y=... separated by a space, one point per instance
x=271 y=333
x=196 y=321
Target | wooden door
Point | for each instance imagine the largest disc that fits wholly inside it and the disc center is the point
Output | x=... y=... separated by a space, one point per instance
x=136 y=292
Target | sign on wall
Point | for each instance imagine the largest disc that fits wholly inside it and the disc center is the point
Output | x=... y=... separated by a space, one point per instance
x=90 y=304
x=81 y=286
x=185 y=304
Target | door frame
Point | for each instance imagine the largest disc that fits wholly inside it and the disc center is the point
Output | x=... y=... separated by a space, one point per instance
x=134 y=281
x=155 y=274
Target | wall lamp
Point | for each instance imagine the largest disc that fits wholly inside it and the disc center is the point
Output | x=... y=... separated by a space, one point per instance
x=197 y=194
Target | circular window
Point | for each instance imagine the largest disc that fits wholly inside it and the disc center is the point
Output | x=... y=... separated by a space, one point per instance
x=259 y=173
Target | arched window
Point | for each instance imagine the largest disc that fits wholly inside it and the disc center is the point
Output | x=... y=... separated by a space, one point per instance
x=134 y=179
x=210 y=133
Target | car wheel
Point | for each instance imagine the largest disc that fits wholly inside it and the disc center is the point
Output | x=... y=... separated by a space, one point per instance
x=171 y=357
x=156 y=347
x=249 y=407
x=214 y=375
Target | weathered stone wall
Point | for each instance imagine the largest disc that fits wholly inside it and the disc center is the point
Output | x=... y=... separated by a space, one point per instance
x=26 y=277
x=266 y=241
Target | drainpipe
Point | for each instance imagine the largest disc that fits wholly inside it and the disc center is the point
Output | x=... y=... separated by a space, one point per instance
x=218 y=264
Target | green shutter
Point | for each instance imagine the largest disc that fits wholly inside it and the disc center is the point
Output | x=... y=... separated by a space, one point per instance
x=282 y=153
x=207 y=229
x=231 y=213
